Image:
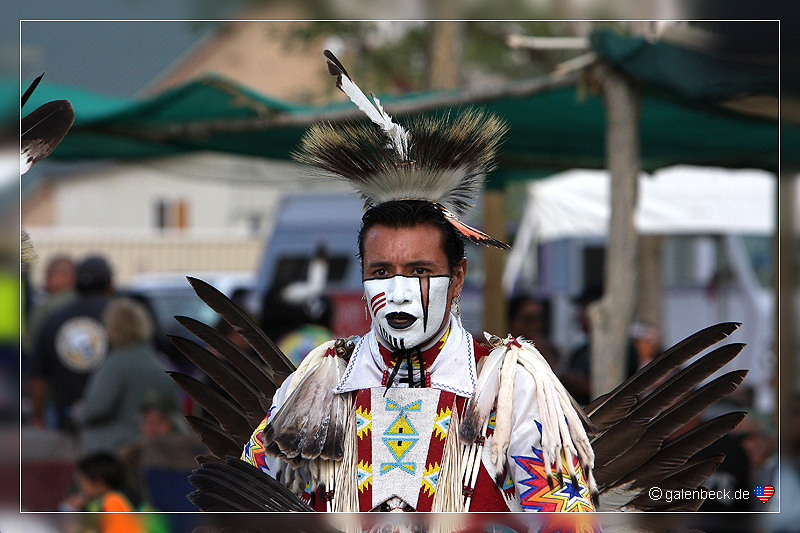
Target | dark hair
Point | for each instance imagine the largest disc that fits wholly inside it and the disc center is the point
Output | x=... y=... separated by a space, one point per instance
x=515 y=305
x=93 y=275
x=407 y=214
x=103 y=467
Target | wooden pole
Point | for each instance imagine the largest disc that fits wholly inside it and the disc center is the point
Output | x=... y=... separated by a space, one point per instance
x=649 y=305
x=444 y=67
x=786 y=280
x=612 y=315
x=495 y=319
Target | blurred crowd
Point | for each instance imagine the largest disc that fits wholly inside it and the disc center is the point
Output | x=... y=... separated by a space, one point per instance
x=95 y=388
x=93 y=379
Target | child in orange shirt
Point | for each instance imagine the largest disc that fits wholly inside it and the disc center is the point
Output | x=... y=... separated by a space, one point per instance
x=101 y=478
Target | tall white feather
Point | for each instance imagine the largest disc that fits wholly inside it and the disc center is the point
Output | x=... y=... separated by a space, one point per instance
x=396 y=133
x=398 y=136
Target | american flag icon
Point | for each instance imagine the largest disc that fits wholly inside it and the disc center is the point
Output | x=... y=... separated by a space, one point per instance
x=764 y=492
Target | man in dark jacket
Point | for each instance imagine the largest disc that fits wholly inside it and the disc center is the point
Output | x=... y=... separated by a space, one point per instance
x=71 y=344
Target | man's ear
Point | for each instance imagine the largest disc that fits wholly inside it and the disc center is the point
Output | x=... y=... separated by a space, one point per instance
x=459 y=273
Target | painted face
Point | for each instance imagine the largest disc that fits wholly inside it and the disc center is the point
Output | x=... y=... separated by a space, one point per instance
x=409 y=267
x=407 y=310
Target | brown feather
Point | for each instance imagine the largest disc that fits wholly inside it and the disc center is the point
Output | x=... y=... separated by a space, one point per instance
x=610 y=408
x=690 y=476
x=244 y=325
x=251 y=368
x=213 y=437
x=679 y=450
x=240 y=390
x=623 y=455
x=231 y=418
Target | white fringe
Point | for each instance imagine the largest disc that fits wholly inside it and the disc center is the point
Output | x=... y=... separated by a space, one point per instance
x=345 y=499
x=448 y=497
x=505 y=404
x=562 y=429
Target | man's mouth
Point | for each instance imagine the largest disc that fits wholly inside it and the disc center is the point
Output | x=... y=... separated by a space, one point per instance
x=400 y=320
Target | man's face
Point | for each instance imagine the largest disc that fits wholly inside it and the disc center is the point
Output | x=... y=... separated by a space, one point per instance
x=407 y=282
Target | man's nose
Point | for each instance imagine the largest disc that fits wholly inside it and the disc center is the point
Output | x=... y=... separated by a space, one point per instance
x=400 y=290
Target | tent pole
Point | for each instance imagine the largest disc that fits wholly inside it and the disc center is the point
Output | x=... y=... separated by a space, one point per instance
x=612 y=315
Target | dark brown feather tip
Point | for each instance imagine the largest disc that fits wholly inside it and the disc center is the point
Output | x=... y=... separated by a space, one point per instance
x=468 y=432
x=335 y=66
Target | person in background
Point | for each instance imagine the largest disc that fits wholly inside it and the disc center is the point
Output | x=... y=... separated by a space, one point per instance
x=647 y=341
x=164 y=440
x=530 y=318
x=101 y=481
x=59 y=289
x=576 y=377
x=71 y=345
x=110 y=412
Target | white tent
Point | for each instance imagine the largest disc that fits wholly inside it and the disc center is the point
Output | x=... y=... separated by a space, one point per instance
x=675 y=201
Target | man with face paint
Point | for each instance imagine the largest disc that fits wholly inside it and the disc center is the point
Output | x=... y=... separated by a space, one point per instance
x=403 y=419
x=417 y=415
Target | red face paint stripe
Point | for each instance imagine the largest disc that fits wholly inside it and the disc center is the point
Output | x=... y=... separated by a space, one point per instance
x=379 y=307
x=379 y=295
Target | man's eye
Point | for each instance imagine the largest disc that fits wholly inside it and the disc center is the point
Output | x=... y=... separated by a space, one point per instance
x=419 y=271
x=381 y=272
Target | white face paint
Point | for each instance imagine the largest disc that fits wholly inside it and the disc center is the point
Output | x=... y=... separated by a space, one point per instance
x=407 y=311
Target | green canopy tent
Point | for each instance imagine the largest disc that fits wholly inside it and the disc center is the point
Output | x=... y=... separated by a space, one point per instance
x=553 y=125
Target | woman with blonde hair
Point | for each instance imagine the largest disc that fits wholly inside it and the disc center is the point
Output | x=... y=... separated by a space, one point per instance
x=111 y=408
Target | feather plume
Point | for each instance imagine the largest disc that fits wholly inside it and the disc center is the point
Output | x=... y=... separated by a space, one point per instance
x=231 y=418
x=446 y=161
x=311 y=422
x=443 y=161
x=609 y=408
x=231 y=382
x=626 y=433
x=628 y=454
x=482 y=401
x=636 y=419
x=239 y=486
x=676 y=452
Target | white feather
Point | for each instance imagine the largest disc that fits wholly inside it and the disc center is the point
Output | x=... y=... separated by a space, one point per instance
x=480 y=406
x=397 y=135
x=505 y=408
x=561 y=427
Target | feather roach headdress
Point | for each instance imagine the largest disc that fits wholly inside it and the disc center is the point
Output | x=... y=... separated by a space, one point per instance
x=439 y=160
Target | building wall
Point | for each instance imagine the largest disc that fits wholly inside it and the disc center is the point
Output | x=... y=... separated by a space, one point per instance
x=230 y=203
